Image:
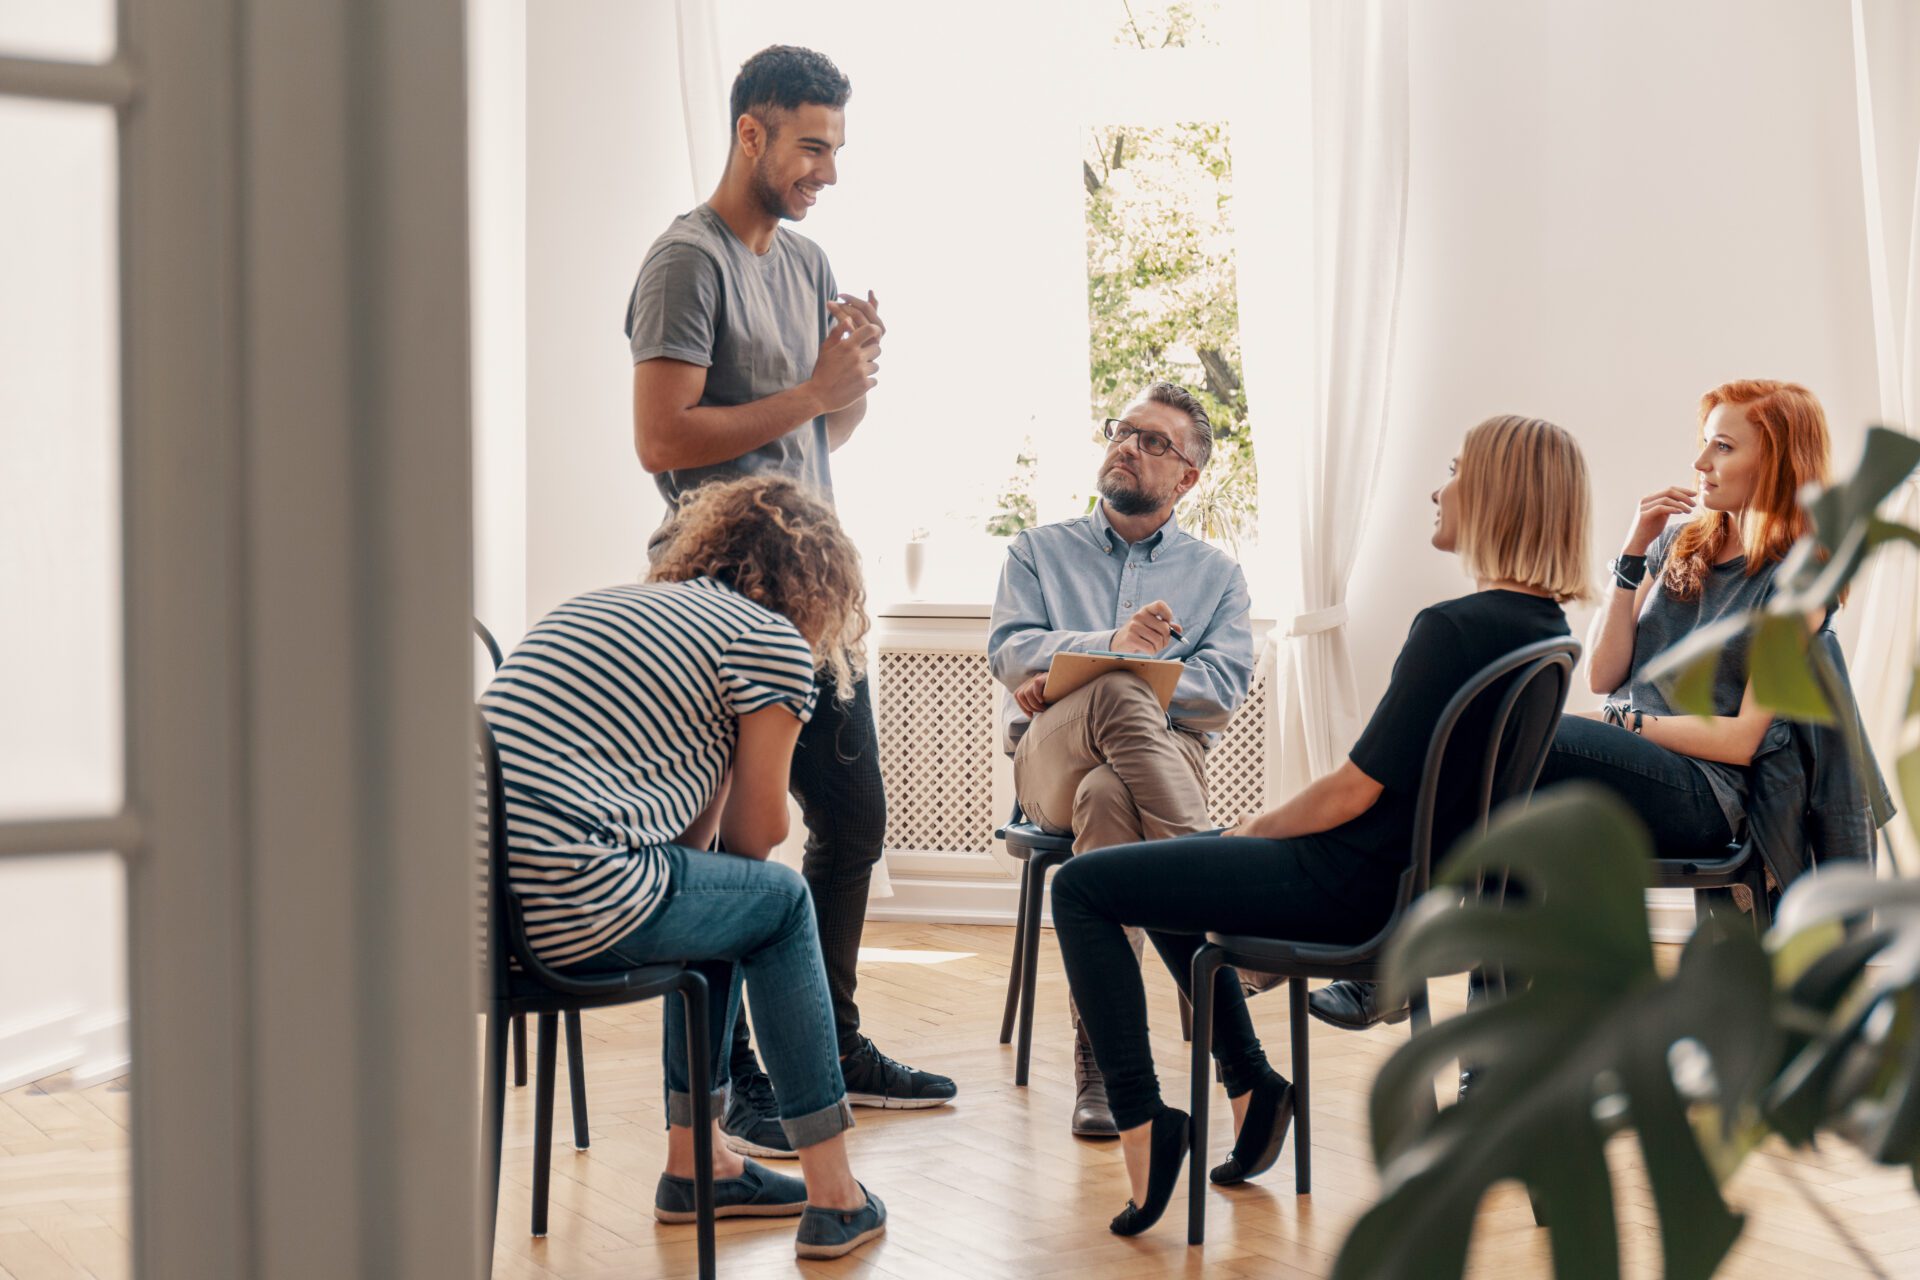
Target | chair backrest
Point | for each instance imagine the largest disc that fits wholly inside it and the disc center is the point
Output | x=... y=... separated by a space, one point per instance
x=1527 y=690
x=505 y=927
x=486 y=638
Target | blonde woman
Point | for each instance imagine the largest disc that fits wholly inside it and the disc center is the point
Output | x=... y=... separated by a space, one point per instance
x=1323 y=867
x=637 y=722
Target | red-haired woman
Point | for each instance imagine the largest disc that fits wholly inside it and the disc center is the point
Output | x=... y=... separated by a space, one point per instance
x=1686 y=776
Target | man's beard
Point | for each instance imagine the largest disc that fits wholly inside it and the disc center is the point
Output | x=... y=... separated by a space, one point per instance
x=1125 y=494
x=769 y=197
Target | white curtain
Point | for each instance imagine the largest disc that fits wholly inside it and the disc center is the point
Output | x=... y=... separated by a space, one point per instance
x=1886 y=41
x=704 y=86
x=1320 y=289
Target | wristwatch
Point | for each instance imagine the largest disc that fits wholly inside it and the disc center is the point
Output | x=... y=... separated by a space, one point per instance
x=1629 y=571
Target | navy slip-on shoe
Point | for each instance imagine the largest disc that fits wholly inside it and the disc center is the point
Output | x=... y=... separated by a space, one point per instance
x=829 y=1233
x=757 y=1193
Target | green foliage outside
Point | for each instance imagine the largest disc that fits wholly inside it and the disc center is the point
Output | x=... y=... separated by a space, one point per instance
x=1161 y=299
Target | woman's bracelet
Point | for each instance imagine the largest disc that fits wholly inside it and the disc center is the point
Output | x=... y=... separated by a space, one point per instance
x=1629 y=571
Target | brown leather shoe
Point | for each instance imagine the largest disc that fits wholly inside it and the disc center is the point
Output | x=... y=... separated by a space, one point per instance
x=1092 y=1118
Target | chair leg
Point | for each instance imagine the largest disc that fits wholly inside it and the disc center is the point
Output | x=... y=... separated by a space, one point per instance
x=1422 y=1019
x=546 y=1049
x=1029 y=964
x=1756 y=878
x=1019 y=954
x=1206 y=964
x=693 y=990
x=577 y=1079
x=1302 y=1088
x=1186 y=1016
x=493 y=1118
x=519 y=1050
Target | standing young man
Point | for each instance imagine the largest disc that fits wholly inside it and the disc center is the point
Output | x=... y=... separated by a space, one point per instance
x=746 y=359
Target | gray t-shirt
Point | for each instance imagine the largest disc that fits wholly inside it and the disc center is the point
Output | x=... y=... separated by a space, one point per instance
x=1665 y=621
x=755 y=322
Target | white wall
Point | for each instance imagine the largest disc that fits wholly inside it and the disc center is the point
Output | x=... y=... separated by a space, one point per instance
x=1615 y=205
x=497 y=169
x=607 y=169
x=62 y=932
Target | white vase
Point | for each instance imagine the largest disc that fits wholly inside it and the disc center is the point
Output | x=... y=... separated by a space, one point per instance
x=915 y=564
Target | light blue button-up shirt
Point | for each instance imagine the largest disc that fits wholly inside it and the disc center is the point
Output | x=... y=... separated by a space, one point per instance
x=1070 y=586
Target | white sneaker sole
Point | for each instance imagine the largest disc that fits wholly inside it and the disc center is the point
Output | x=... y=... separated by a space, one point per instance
x=885 y=1103
x=748 y=1147
x=838 y=1250
x=732 y=1211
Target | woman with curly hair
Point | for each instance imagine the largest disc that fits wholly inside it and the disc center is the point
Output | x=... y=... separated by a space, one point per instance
x=636 y=723
x=1760 y=443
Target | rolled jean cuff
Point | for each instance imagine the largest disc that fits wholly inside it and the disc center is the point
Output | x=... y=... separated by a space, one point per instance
x=680 y=1107
x=818 y=1126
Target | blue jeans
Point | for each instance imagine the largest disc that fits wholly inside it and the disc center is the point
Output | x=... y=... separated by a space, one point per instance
x=735 y=918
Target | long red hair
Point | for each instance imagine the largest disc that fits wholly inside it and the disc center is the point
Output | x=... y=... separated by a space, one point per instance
x=1794 y=452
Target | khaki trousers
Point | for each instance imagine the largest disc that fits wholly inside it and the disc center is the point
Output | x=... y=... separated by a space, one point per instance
x=1103 y=765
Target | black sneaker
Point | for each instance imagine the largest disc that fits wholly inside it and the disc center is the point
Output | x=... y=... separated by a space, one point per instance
x=752 y=1124
x=875 y=1080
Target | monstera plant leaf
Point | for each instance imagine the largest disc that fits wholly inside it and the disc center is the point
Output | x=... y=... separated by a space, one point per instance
x=1810 y=579
x=1593 y=1041
x=1855 y=1010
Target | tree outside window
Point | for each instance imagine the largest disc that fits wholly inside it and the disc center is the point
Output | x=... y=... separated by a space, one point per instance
x=1161 y=293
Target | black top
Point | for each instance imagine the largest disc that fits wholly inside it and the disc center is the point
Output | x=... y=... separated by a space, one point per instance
x=1448 y=644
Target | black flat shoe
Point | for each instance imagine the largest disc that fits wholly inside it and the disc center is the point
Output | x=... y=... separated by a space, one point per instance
x=1172 y=1135
x=1262 y=1133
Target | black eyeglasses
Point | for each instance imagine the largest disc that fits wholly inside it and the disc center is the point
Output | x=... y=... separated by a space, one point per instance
x=1151 y=443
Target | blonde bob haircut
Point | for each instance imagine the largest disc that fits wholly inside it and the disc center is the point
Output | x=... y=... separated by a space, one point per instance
x=1524 y=507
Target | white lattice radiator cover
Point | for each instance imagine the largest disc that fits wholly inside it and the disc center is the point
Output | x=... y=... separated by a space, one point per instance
x=936 y=750
x=938 y=741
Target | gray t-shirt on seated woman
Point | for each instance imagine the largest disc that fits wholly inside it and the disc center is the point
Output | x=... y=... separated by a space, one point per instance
x=1664 y=622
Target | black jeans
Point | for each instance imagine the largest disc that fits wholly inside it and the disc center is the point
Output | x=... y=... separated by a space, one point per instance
x=1177 y=890
x=836 y=779
x=1667 y=790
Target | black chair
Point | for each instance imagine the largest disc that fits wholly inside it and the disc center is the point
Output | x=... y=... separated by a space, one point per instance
x=1520 y=732
x=576 y=1053
x=1038 y=852
x=1710 y=878
x=519 y=983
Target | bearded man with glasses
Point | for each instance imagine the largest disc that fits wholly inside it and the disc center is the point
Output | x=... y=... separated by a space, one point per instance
x=1105 y=763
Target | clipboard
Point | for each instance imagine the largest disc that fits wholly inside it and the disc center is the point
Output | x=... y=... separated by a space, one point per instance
x=1069 y=671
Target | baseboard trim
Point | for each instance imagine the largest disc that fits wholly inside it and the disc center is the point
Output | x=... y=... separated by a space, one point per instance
x=92 y=1046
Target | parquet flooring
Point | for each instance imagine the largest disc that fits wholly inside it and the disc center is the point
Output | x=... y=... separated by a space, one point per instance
x=991 y=1187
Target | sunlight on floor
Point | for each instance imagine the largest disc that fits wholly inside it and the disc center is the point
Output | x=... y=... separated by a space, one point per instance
x=899 y=955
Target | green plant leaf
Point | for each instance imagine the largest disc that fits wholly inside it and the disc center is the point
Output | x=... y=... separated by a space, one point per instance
x=1783 y=680
x=1861 y=1074
x=1886 y=458
x=1592 y=1034
x=1686 y=670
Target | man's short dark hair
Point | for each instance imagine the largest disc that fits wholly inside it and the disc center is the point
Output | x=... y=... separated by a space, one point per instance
x=782 y=77
x=1175 y=396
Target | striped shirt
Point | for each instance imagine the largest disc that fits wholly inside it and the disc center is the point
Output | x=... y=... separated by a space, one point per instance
x=616 y=719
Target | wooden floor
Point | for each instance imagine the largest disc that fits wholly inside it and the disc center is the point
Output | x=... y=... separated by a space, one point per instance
x=992 y=1186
